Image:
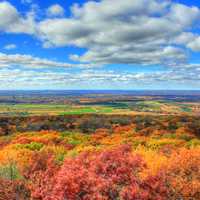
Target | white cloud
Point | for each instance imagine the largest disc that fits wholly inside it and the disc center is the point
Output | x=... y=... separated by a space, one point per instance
x=183 y=15
x=194 y=44
x=55 y=10
x=141 y=32
x=12 y=22
x=33 y=62
x=31 y=78
x=10 y=46
x=190 y=40
x=130 y=32
x=8 y=15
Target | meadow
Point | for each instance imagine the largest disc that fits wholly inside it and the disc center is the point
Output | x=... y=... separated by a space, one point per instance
x=49 y=109
x=123 y=107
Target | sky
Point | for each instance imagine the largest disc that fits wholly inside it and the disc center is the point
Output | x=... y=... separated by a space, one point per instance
x=104 y=44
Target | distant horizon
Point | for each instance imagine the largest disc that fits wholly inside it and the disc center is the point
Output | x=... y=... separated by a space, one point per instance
x=96 y=92
x=4 y=90
x=101 y=90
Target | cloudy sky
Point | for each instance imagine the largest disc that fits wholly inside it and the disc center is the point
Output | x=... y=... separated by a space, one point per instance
x=104 y=44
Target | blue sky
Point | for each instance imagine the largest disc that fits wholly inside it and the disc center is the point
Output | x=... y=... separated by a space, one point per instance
x=132 y=44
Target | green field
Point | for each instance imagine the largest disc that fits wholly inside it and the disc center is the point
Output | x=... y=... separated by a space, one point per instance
x=98 y=108
x=50 y=109
x=86 y=110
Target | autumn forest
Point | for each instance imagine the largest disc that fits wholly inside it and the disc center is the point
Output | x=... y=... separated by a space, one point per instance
x=127 y=153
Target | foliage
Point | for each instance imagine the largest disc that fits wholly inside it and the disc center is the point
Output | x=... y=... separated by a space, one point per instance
x=34 y=146
x=193 y=143
x=12 y=190
x=10 y=171
x=112 y=174
x=101 y=157
x=183 y=174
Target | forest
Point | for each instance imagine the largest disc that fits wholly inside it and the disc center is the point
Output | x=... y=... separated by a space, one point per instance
x=100 y=157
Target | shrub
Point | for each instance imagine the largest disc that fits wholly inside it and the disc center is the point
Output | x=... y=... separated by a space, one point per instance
x=157 y=144
x=13 y=190
x=10 y=172
x=170 y=136
x=193 y=143
x=33 y=146
x=91 y=125
x=138 y=142
x=111 y=175
x=123 y=121
x=185 y=137
x=183 y=174
x=172 y=126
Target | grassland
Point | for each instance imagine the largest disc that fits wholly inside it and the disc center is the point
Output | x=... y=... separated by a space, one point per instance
x=50 y=109
x=138 y=107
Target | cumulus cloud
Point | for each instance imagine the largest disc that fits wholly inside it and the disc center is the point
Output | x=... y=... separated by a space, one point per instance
x=189 y=40
x=195 y=44
x=55 y=10
x=131 y=32
x=8 y=15
x=12 y=22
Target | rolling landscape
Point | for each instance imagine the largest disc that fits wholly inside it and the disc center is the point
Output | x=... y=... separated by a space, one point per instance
x=99 y=100
x=110 y=146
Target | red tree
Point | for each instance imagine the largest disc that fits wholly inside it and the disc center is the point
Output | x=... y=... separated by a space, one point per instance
x=108 y=175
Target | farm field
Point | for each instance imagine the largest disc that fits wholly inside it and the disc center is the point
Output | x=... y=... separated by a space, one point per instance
x=123 y=107
x=49 y=109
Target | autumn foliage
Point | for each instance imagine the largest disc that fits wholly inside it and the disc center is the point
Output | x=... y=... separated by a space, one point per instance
x=148 y=159
x=112 y=174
